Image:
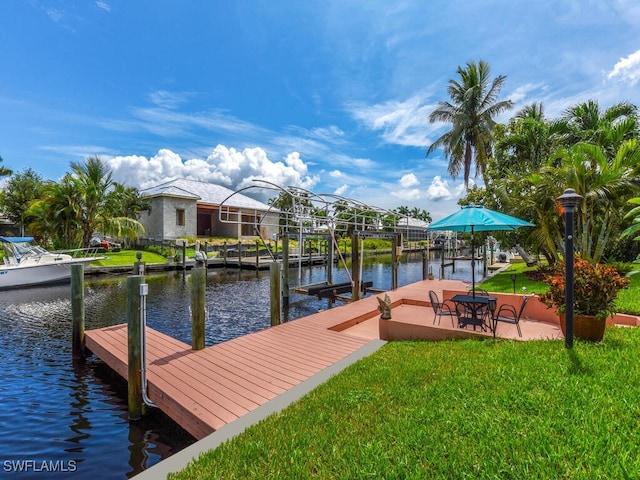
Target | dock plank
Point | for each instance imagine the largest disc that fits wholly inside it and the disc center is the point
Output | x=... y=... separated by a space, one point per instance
x=206 y=389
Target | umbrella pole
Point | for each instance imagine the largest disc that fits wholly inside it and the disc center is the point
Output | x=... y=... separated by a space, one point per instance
x=473 y=265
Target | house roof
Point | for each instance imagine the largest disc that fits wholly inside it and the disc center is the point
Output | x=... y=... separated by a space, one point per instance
x=202 y=192
x=410 y=222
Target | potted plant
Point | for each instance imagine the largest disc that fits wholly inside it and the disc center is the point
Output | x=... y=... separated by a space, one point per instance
x=595 y=290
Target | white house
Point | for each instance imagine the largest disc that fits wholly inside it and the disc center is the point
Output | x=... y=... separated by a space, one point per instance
x=189 y=208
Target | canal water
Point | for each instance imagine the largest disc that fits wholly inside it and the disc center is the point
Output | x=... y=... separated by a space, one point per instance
x=64 y=420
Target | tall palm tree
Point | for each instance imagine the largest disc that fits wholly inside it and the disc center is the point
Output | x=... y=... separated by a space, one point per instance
x=123 y=201
x=95 y=181
x=586 y=122
x=4 y=171
x=474 y=104
x=525 y=144
x=56 y=217
x=604 y=185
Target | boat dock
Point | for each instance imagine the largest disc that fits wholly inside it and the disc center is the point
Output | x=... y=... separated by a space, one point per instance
x=203 y=390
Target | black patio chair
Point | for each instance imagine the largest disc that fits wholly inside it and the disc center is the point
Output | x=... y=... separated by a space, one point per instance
x=441 y=309
x=508 y=313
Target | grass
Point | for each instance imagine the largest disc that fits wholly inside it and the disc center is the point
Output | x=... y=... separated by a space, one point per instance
x=502 y=282
x=454 y=410
x=128 y=257
x=628 y=300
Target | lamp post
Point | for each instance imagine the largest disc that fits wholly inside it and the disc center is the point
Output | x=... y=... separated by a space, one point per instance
x=569 y=200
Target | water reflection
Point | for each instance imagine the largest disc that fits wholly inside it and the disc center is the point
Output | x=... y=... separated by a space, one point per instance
x=53 y=409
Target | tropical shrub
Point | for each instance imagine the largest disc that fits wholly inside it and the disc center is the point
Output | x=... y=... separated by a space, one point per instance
x=596 y=287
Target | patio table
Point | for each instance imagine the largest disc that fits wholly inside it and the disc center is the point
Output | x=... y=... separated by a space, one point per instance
x=472 y=307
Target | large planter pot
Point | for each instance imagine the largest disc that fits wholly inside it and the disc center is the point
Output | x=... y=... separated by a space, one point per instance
x=586 y=327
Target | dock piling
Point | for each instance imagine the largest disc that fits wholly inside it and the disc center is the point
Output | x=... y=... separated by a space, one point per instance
x=135 y=403
x=198 y=296
x=274 y=273
x=77 y=312
x=285 y=269
x=138 y=267
x=425 y=265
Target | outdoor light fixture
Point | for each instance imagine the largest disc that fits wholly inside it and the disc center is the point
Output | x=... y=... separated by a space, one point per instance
x=569 y=200
x=513 y=280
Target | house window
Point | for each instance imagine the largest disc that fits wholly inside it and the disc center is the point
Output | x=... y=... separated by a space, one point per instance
x=180 y=217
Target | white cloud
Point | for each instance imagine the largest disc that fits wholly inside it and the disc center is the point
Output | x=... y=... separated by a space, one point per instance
x=225 y=166
x=55 y=15
x=438 y=190
x=409 y=180
x=627 y=70
x=362 y=163
x=168 y=100
x=407 y=194
x=341 y=190
x=331 y=134
x=402 y=123
x=336 y=174
x=103 y=5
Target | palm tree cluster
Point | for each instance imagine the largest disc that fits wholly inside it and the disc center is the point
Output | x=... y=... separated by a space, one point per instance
x=68 y=213
x=530 y=161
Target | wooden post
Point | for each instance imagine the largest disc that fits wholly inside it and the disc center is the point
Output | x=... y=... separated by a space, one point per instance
x=77 y=312
x=198 y=296
x=224 y=252
x=136 y=404
x=425 y=265
x=330 y=262
x=274 y=282
x=257 y=255
x=396 y=246
x=206 y=254
x=184 y=255
x=442 y=251
x=285 y=269
x=239 y=254
x=138 y=267
x=355 y=266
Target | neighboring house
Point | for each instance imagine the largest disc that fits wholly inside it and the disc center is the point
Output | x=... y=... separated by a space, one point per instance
x=412 y=229
x=189 y=208
x=9 y=228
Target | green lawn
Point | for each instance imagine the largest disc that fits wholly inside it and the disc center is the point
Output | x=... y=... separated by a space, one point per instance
x=455 y=410
x=128 y=257
x=502 y=281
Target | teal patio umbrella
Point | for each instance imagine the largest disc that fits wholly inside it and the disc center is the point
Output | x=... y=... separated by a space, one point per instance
x=476 y=218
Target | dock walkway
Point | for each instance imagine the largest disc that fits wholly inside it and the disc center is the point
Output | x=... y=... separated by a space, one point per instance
x=206 y=389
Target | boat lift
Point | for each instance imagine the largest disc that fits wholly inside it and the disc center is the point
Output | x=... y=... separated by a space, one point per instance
x=305 y=214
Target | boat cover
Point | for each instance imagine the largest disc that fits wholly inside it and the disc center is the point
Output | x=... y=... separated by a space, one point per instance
x=16 y=239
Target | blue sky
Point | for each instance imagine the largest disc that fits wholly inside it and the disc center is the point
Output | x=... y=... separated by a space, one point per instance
x=333 y=96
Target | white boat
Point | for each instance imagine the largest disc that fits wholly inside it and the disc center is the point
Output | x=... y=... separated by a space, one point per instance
x=26 y=264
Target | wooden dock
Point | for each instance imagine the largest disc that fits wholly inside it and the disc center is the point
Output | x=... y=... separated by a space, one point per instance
x=206 y=389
